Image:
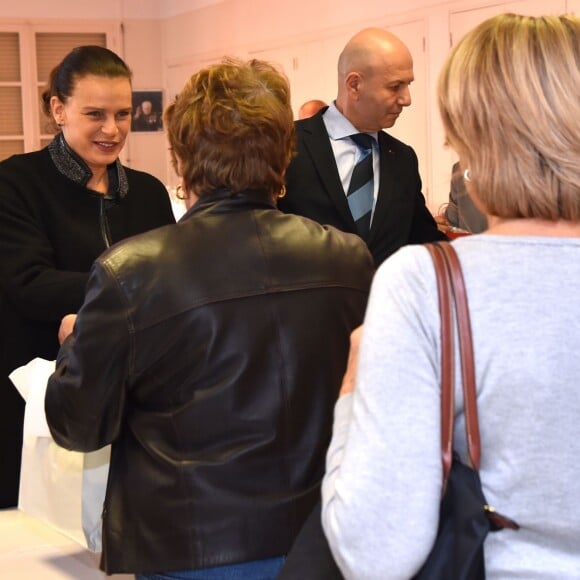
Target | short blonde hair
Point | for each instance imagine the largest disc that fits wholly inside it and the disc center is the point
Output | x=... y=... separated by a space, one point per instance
x=509 y=97
x=232 y=127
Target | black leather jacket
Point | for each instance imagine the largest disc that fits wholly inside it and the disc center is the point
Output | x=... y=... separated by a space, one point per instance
x=210 y=354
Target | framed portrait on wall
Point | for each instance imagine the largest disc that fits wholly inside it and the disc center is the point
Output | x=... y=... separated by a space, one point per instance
x=147 y=111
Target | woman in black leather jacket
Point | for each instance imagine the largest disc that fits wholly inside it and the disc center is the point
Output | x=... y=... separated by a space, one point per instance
x=210 y=353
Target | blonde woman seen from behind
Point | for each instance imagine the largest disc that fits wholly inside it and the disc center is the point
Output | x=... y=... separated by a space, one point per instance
x=508 y=96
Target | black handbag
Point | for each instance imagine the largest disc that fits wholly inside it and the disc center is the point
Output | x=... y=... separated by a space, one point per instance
x=465 y=518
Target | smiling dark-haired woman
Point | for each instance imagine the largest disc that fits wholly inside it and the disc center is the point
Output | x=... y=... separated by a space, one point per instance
x=59 y=209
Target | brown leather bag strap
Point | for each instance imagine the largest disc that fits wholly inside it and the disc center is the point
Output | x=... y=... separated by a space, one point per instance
x=447 y=360
x=457 y=284
x=451 y=287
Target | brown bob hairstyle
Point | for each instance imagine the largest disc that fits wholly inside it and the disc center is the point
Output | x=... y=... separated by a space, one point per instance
x=509 y=100
x=231 y=127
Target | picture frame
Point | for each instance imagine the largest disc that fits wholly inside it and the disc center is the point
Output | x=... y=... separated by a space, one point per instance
x=147 y=113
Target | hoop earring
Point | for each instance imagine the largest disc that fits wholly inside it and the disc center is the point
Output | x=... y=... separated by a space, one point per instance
x=282 y=192
x=467 y=175
x=180 y=193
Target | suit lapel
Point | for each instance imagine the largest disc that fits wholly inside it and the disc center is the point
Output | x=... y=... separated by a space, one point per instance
x=390 y=170
x=317 y=142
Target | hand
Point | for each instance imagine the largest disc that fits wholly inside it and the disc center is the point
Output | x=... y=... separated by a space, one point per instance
x=442 y=223
x=66 y=327
x=349 y=379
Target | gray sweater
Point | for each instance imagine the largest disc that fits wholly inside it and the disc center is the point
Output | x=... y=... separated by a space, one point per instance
x=383 y=483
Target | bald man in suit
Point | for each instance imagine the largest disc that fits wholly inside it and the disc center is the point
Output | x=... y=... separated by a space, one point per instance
x=375 y=70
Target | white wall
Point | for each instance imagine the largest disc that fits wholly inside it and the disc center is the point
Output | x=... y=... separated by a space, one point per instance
x=142 y=51
x=82 y=9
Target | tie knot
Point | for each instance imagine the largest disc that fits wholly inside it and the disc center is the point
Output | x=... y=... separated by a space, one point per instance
x=363 y=140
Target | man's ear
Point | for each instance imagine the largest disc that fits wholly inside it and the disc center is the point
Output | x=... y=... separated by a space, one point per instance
x=352 y=82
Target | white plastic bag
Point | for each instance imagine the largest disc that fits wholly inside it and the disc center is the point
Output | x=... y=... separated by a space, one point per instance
x=64 y=489
x=51 y=484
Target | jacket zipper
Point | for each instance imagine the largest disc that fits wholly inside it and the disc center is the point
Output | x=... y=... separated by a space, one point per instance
x=105 y=232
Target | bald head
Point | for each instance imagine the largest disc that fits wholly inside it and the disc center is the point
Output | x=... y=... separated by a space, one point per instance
x=368 y=47
x=310 y=108
x=375 y=70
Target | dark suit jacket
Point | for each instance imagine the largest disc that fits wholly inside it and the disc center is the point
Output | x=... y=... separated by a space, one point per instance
x=314 y=190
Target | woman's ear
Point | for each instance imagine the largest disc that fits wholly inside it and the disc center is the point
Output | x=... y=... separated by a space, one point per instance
x=57 y=109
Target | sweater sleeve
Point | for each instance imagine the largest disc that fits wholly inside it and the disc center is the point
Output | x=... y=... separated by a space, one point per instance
x=382 y=485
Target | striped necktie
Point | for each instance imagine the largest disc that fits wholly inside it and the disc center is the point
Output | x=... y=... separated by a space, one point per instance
x=361 y=188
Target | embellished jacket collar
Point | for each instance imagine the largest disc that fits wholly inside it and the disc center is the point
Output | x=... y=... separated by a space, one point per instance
x=74 y=168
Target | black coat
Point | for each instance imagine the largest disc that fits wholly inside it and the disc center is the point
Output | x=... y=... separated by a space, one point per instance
x=51 y=231
x=210 y=353
x=314 y=190
x=50 y=234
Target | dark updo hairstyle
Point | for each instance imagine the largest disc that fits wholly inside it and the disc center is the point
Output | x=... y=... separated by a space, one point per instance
x=80 y=62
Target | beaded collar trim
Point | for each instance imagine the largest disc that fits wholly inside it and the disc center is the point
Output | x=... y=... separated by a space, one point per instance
x=74 y=168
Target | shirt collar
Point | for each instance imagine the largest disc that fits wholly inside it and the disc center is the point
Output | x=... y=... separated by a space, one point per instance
x=338 y=126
